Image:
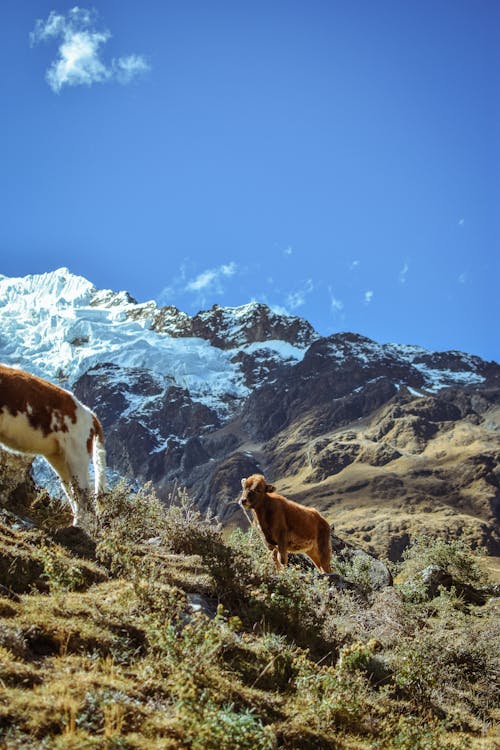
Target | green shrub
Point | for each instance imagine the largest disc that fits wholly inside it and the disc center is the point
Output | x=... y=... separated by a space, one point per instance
x=450 y=669
x=188 y=531
x=410 y=732
x=296 y=603
x=357 y=571
x=455 y=556
x=330 y=699
x=203 y=725
x=127 y=519
x=61 y=573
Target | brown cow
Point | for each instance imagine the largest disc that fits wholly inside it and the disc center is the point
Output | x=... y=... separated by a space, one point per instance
x=286 y=525
x=38 y=417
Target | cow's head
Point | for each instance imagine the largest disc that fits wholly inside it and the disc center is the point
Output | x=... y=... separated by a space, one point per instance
x=254 y=490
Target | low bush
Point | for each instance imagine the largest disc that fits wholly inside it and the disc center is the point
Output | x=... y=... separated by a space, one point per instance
x=453 y=555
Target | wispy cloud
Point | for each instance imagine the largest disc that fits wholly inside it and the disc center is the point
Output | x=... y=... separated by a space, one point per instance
x=461 y=222
x=79 y=60
x=404 y=273
x=336 y=304
x=298 y=298
x=368 y=297
x=200 y=289
x=354 y=265
x=210 y=280
x=288 y=251
x=462 y=279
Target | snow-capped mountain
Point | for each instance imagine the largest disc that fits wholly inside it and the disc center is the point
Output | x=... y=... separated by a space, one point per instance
x=59 y=326
x=203 y=400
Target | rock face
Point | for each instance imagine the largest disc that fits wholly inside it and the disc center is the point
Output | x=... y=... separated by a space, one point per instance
x=227 y=328
x=386 y=440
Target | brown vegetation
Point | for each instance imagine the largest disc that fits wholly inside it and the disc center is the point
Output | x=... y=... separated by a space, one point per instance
x=176 y=636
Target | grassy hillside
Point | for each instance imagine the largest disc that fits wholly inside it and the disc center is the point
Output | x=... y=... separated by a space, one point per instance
x=167 y=634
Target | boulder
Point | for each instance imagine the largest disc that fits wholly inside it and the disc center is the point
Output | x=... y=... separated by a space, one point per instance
x=434 y=577
x=376 y=574
x=357 y=570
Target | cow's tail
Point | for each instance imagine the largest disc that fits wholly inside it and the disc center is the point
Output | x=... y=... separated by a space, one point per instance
x=99 y=458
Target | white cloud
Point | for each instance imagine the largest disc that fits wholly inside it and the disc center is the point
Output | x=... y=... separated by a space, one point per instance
x=461 y=222
x=462 y=279
x=336 y=304
x=126 y=68
x=202 y=287
x=288 y=250
x=368 y=297
x=298 y=298
x=210 y=279
x=354 y=265
x=403 y=273
x=79 y=60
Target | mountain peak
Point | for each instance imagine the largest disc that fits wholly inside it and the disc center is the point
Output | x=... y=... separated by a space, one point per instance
x=232 y=327
x=59 y=288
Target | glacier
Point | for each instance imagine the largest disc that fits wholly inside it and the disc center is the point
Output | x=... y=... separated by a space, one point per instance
x=58 y=326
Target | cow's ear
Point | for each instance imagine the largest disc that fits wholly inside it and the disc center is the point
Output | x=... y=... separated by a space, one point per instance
x=243 y=480
x=270 y=488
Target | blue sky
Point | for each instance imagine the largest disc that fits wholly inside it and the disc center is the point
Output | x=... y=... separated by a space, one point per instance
x=337 y=160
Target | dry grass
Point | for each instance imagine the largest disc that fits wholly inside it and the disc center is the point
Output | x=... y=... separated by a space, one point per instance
x=286 y=662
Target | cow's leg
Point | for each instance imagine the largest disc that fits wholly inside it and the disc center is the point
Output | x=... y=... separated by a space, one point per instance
x=326 y=563
x=73 y=473
x=316 y=558
x=276 y=558
x=324 y=547
x=282 y=550
x=80 y=482
x=60 y=466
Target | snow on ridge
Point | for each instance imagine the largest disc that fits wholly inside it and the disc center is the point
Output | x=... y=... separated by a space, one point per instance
x=283 y=349
x=436 y=379
x=234 y=323
x=364 y=350
x=59 y=325
x=464 y=371
x=53 y=325
x=439 y=369
x=408 y=352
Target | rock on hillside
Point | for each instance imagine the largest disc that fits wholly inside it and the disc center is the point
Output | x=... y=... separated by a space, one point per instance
x=17 y=488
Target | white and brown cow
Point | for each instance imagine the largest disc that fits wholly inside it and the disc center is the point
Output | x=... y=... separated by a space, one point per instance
x=39 y=418
x=287 y=526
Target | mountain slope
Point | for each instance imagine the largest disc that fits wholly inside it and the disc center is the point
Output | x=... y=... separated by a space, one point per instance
x=385 y=439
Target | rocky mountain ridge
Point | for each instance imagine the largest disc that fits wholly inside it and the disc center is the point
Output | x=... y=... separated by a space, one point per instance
x=384 y=439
